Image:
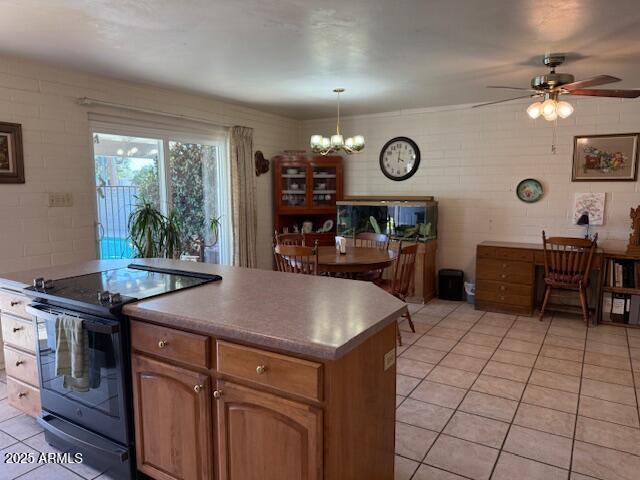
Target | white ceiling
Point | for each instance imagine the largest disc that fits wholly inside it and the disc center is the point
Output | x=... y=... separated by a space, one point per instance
x=285 y=56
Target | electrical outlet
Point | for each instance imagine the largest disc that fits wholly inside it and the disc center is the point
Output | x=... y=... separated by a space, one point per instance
x=389 y=359
x=60 y=199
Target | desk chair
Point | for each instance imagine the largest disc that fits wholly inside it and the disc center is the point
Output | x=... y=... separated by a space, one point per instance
x=567 y=264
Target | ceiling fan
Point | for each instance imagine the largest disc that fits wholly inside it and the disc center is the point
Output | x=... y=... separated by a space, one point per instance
x=552 y=86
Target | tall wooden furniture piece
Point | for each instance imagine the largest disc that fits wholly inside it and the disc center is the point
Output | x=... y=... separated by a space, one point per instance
x=400 y=284
x=320 y=239
x=206 y=409
x=19 y=335
x=306 y=188
x=506 y=277
x=296 y=259
x=567 y=265
x=621 y=289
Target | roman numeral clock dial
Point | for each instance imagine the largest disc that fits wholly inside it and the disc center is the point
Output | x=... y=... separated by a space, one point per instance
x=399 y=158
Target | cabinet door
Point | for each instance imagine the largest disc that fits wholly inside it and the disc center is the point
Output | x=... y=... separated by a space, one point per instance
x=292 y=182
x=266 y=437
x=173 y=421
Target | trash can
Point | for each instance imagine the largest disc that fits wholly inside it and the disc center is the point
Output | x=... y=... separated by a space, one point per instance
x=450 y=284
x=470 y=290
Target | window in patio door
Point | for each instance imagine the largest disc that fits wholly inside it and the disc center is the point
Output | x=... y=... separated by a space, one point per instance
x=173 y=172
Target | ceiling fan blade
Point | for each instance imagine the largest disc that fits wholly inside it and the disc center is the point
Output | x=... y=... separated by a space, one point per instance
x=606 y=93
x=590 y=82
x=501 y=101
x=511 y=88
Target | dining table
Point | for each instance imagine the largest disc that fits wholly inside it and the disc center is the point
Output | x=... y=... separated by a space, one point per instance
x=355 y=260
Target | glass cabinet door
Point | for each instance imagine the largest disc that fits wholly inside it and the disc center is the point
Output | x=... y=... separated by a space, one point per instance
x=294 y=186
x=324 y=186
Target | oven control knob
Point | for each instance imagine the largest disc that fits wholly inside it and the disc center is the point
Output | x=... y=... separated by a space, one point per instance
x=38 y=282
x=114 y=298
x=103 y=296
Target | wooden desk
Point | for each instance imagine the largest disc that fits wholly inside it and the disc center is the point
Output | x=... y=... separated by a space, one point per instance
x=506 y=277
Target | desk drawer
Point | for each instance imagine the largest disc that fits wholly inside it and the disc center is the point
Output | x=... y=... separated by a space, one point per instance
x=169 y=343
x=506 y=271
x=21 y=365
x=499 y=253
x=18 y=333
x=288 y=374
x=508 y=293
x=14 y=303
x=23 y=397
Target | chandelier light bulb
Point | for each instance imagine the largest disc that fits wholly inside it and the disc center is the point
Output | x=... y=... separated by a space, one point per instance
x=549 y=107
x=359 y=141
x=326 y=143
x=337 y=140
x=564 y=109
x=349 y=142
x=324 y=146
x=535 y=110
x=316 y=141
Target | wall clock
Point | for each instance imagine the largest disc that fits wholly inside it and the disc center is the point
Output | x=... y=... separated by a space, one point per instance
x=399 y=158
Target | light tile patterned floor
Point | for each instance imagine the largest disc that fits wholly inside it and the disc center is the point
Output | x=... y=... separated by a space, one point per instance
x=492 y=396
x=480 y=395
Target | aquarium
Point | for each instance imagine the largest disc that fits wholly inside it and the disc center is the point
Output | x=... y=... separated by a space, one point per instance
x=397 y=218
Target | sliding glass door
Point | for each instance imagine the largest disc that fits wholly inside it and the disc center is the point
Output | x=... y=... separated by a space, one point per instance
x=174 y=172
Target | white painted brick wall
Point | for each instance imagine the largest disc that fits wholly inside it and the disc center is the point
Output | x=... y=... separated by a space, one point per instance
x=57 y=152
x=472 y=160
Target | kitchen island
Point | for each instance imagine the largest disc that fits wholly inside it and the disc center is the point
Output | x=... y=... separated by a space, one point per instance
x=262 y=375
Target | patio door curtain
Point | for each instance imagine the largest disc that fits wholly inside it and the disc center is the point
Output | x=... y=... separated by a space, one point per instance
x=243 y=197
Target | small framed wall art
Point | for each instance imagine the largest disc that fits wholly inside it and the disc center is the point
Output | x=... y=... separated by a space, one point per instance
x=11 y=159
x=605 y=158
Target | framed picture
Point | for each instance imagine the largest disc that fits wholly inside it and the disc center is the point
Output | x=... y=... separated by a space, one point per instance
x=605 y=158
x=11 y=159
x=590 y=203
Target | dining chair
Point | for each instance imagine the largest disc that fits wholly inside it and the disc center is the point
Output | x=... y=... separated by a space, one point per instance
x=567 y=264
x=371 y=240
x=320 y=239
x=288 y=239
x=400 y=284
x=296 y=259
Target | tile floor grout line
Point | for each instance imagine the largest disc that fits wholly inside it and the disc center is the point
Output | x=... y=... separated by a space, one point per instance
x=504 y=440
x=421 y=462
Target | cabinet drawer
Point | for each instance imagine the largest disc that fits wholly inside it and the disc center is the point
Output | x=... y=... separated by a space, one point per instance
x=21 y=365
x=499 y=292
x=14 y=303
x=23 y=397
x=505 y=253
x=169 y=343
x=18 y=333
x=288 y=374
x=507 y=271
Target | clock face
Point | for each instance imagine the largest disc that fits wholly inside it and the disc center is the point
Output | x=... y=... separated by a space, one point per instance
x=399 y=158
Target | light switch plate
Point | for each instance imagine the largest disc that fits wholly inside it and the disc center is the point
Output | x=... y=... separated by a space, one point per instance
x=60 y=199
x=389 y=359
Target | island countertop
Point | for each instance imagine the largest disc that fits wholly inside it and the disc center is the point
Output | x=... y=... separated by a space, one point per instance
x=319 y=317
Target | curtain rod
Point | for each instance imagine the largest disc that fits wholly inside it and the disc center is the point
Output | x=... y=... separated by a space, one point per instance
x=87 y=101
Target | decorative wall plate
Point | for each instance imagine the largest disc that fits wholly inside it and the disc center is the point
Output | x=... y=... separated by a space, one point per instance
x=529 y=190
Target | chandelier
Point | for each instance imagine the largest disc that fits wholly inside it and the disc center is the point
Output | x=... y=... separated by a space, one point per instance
x=324 y=145
x=551 y=108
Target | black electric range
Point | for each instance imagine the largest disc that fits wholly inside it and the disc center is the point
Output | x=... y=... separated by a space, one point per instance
x=93 y=415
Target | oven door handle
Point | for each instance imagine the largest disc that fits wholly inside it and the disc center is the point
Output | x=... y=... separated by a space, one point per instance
x=89 y=325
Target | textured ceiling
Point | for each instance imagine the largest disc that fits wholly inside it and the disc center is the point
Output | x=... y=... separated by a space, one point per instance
x=285 y=56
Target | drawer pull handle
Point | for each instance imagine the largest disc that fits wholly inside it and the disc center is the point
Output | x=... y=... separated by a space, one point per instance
x=17 y=329
x=162 y=343
x=19 y=362
x=22 y=394
x=217 y=394
x=504 y=265
x=503 y=288
x=198 y=388
x=15 y=303
x=260 y=369
x=504 y=275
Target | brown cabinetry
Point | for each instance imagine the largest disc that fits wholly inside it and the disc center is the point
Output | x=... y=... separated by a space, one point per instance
x=306 y=188
x=173 y=422
x=266 y=437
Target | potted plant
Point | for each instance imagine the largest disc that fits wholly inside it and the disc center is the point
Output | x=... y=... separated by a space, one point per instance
x=153 y=234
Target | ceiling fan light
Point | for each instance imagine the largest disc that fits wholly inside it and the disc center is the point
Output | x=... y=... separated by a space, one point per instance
x=564 y=109
x=534 y=110
x=549 y=107
x=550 y=118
